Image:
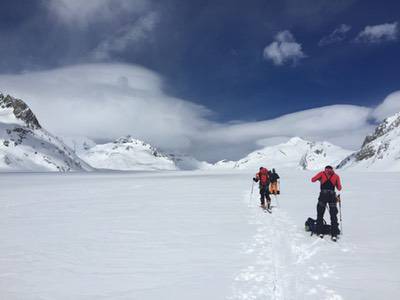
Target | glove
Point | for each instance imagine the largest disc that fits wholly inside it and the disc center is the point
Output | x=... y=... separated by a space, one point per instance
x=254 y=179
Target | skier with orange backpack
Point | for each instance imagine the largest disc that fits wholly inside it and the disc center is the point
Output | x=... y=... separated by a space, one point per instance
x=274 y=179
x=263 y=178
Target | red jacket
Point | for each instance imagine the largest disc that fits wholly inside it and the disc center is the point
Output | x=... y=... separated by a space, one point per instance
x=324 y=177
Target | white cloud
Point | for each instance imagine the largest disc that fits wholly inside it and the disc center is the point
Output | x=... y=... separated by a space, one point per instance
x=338 y=35
x=320 y=122
x=284 y=49
x=133 y=34
x=389 y=106
x=105 y=101
x=379 y=33
x=81 y=13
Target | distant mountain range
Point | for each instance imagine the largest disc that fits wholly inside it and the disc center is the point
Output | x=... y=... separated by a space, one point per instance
x=380 y=151
x=296 y=153
x=26 y=146
x=130 y=154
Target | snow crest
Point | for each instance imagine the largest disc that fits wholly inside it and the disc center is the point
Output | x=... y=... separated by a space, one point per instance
x=380 y=151
x=126 y=154
x=296 y=153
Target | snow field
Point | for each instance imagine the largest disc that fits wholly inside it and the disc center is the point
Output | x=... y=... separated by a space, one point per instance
x=193 y=235
x=119 y=236
x=289 y=264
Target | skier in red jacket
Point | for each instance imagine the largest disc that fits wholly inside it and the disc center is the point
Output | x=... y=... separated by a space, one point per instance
x=263 y=177
x=329 y=181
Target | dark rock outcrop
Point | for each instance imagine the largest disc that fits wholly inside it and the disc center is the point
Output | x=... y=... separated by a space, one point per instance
x=375 y=146
x=20 y=110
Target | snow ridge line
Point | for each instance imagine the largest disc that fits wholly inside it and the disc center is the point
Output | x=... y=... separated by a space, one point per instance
x=282 y=267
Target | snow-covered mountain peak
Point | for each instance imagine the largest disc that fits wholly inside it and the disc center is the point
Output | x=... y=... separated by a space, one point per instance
x=127 y=153
x=296 y=141
x=16 y=111
x=380 y=150
x=128 y=140
x=295 y=153
x=395 y=119
x=26 y=146
x=383 y=128
x=320 y=154
x=128 y=143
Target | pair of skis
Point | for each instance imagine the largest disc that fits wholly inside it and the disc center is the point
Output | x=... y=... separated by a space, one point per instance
x=265 y=209
x=269 y=210
x=333 y=238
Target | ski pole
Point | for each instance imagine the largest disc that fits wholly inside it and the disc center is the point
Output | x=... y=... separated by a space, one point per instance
x=340 y=215
x=276 y=190
x=251 y=194
x=277 y=202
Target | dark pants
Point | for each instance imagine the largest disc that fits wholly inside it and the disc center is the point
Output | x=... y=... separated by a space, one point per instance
x=327 y=198
x=264 y=194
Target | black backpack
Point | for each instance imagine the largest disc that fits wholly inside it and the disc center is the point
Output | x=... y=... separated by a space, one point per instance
x=311 y=226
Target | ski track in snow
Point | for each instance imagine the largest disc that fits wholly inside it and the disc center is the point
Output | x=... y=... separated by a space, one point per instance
x=283 y=260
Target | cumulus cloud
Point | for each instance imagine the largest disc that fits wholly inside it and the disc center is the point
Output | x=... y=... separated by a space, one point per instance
x=105 y=101
x=338 y=35
x=81 y=13
x=130 y=35
x=379 y=33
x=284 y=49
x=389 y=106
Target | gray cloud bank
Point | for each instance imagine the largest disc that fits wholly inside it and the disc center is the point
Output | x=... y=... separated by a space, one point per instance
x=105 y=101
x=83 y=13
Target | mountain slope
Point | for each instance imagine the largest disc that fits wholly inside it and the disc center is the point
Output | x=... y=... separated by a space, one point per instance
x=380 y=151
x=320 y=154
x=126 y=154
x=296 y=153
x=26 y=146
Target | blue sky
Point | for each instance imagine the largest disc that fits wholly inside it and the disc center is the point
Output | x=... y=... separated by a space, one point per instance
x=240 y=61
